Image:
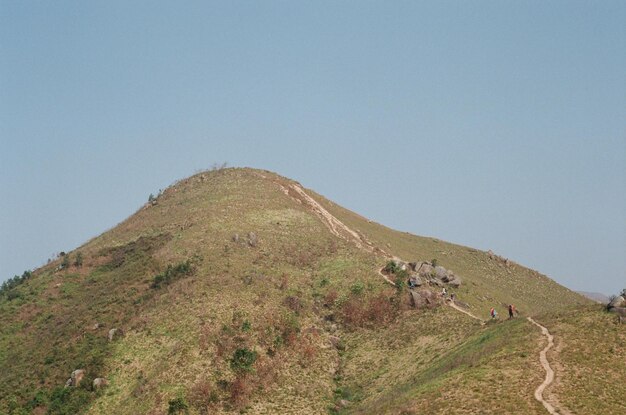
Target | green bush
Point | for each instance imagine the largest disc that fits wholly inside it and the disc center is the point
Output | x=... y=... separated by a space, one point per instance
x=391 y=267
x=357 y=288
x=177 y=405
x=242 y=360
x=65 y=263
x=7 y=287
x=171 y=274
x=78 y=262
x=434 y=262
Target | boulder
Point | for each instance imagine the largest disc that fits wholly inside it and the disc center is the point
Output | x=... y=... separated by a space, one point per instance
x=421 y=299
x=441 y=273
x=415 y=281
x=253 y=240
x=425 y=269
x=456 y=282
x=618 y=301
x=99 y=383
x=113 y=333
x=75 y=378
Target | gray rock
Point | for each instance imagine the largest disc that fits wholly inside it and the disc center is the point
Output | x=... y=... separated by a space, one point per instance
x=456 y=282
x=415 y=281
x=618 y=301
x=421 y=299
x=425 y=269
x=75 y=378
x=99 y=383
x=441 y=273
x=252 y=239
x=113 y=333
x=235 y=237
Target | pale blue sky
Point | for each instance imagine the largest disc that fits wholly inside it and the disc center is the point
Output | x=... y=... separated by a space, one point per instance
x=499 y=125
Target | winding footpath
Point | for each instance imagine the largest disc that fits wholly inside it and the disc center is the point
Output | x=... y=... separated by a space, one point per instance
x=549 y=372
x=339 y=229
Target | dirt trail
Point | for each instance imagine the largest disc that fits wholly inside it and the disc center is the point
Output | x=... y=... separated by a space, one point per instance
x=549 y=372
x=456 y=307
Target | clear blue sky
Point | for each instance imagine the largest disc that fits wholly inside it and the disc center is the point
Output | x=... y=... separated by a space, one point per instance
x=499 y=125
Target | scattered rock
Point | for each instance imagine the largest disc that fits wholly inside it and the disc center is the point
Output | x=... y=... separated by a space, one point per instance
x=113 y=333
x=96 y=326
x=75 y=378
x=235 y=238
x=99 y=383
x=252 y=239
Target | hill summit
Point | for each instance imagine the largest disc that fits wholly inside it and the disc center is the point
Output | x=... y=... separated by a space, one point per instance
x=238 y=290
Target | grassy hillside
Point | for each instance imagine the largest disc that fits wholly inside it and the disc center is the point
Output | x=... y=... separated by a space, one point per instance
x=230 y=294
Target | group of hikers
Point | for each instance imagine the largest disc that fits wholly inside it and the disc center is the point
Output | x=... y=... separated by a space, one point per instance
x=512 y=312
x=412 y=283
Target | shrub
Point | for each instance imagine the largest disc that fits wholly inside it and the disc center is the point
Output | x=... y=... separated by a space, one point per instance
x=294 y=304
x=240 y=390
x=246 y=326
x=357 y=288
x=391 y=267
x=171 y=274
x=330 y=298
x=177 y=405
x=203 y=396
x=78 y=262
x=7 y=287
x=65 y=263
x=434 y=262
x=242 y=360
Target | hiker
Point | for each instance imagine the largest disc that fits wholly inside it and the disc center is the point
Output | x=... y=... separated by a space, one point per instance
x=493 y=313
x=452 y=297
x=510 y=311
x=444 y=293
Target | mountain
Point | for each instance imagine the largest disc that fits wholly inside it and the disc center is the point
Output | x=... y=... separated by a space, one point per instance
x=597 y=297
x=239 y=291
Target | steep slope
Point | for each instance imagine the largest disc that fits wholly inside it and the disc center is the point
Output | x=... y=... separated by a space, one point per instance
x=237 y=289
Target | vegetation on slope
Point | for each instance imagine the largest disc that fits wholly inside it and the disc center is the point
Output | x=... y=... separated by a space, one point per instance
x=232 y=295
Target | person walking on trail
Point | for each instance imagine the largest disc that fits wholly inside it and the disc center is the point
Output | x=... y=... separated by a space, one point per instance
x=510 y=311
x=493 y=313
x=444 y=293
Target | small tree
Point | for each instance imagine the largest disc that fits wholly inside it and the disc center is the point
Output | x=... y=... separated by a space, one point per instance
x=65 y=263
x=78 y=262
x=242 y=360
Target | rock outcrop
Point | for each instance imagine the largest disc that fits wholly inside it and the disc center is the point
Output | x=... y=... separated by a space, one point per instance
x=75 y=378
x=422 y=299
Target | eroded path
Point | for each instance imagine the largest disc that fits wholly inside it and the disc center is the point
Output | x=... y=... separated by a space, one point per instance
x=456 y=307
x=546 y=365
x=341 y=230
